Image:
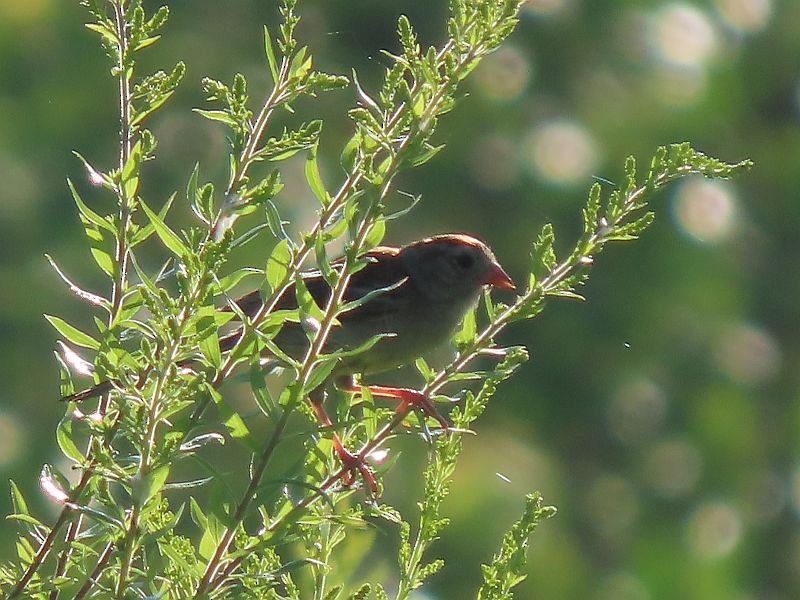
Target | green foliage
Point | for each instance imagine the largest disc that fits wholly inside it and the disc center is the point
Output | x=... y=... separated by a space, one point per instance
x=160 y=349
x=507 y=568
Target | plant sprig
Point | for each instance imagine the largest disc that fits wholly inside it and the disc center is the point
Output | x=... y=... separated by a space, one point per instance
x=163 y=359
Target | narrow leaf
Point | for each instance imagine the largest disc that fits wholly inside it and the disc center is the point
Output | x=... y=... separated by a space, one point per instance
x=74 y=335
x=168 y=237
x=313 y=177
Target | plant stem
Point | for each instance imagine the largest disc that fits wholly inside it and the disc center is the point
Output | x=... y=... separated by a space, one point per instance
x=92 y=579
x=117 y=292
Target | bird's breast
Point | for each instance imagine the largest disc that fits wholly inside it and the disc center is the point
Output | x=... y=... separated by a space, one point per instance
x=417 y=328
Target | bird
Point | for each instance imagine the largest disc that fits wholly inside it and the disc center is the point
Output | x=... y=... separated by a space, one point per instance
x=420 y=294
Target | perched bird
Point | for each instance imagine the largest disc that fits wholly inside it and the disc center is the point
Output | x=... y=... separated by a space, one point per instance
x=429 y=286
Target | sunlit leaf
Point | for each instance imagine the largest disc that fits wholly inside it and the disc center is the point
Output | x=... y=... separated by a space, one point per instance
x=168 y=237
x=73 y=334
x=278 y=263
x=313 y=177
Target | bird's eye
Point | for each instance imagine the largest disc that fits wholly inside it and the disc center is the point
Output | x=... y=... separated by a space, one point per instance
x=465 y=261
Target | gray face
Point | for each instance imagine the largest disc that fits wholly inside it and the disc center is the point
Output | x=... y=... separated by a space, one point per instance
x=444 y=269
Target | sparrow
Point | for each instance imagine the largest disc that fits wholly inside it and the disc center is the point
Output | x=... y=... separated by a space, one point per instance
x=428 y=286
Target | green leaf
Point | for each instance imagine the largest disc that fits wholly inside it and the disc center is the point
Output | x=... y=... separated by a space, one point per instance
x=306 y=303
x=217 y=115
x=99 y=513
x=94 y=225
x=107 y=33
x=270 y=52
x=465 y=336
x=424 y=369
x=591 y=210
x=198 y=516
x=151 y=484
x=350 y=153
x=320 y=372
x=18 y=500
x=275 y=222
x=64 y=438
x=375 y=236
x=24 y=518
x=424 y=155
x=369 y=296
x=258 y=385
x=212 y=533
x=233 y=421
x=74 y=335
x=363 y=593
x=207 y=332
x=300 y=65
x=146 y=231
x=266 y=188
x=227 y=283
x=168 y=237
x=103 y=259
x=278 y=263
x=129 y=177
x=543 y=257
x=191 y=185
x=313 y=177
x=88 y=214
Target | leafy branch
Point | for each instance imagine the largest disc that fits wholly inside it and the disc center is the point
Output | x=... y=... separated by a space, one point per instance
x=160 y=357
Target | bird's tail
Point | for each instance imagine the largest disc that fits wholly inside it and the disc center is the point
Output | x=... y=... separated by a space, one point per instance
x=92 y=392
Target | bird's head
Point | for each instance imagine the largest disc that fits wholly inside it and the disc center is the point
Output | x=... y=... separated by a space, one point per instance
x=452 y=266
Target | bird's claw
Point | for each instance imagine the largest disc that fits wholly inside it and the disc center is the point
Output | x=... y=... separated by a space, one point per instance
x=421 y=401
x=353 y=466
x=408 y=398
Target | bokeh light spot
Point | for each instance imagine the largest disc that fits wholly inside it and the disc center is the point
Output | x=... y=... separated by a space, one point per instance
x=494 y=162
x=561 y=152
x=795 y=490
x=636 y=411
x=746 y=16
x=546 y=7
x=747 y=353
x=797 y=95
x=21 y=188
x=503 y=75
x=27 y=11
x=706 y=209
x=673 y=467
x=713 y=530
x=765 y=497
x=676 y=87
x=622 y=586
x=682 y=34
x=612 y=504
x=10 y=439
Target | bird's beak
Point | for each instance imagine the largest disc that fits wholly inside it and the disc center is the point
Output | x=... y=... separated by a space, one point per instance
x=498 y=278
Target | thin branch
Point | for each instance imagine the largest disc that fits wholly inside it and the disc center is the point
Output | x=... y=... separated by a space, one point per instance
x=92 y=579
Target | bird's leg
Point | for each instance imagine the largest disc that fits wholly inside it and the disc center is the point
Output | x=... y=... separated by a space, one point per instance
x=406 y=396
x=352 y=463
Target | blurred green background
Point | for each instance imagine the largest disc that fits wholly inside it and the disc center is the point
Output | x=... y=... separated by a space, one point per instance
x=661 y=416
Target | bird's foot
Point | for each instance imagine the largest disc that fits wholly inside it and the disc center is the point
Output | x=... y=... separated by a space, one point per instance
x=353 y=466
x=410 y=398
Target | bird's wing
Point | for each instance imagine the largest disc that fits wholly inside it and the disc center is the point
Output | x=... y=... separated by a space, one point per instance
x=383 y=270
